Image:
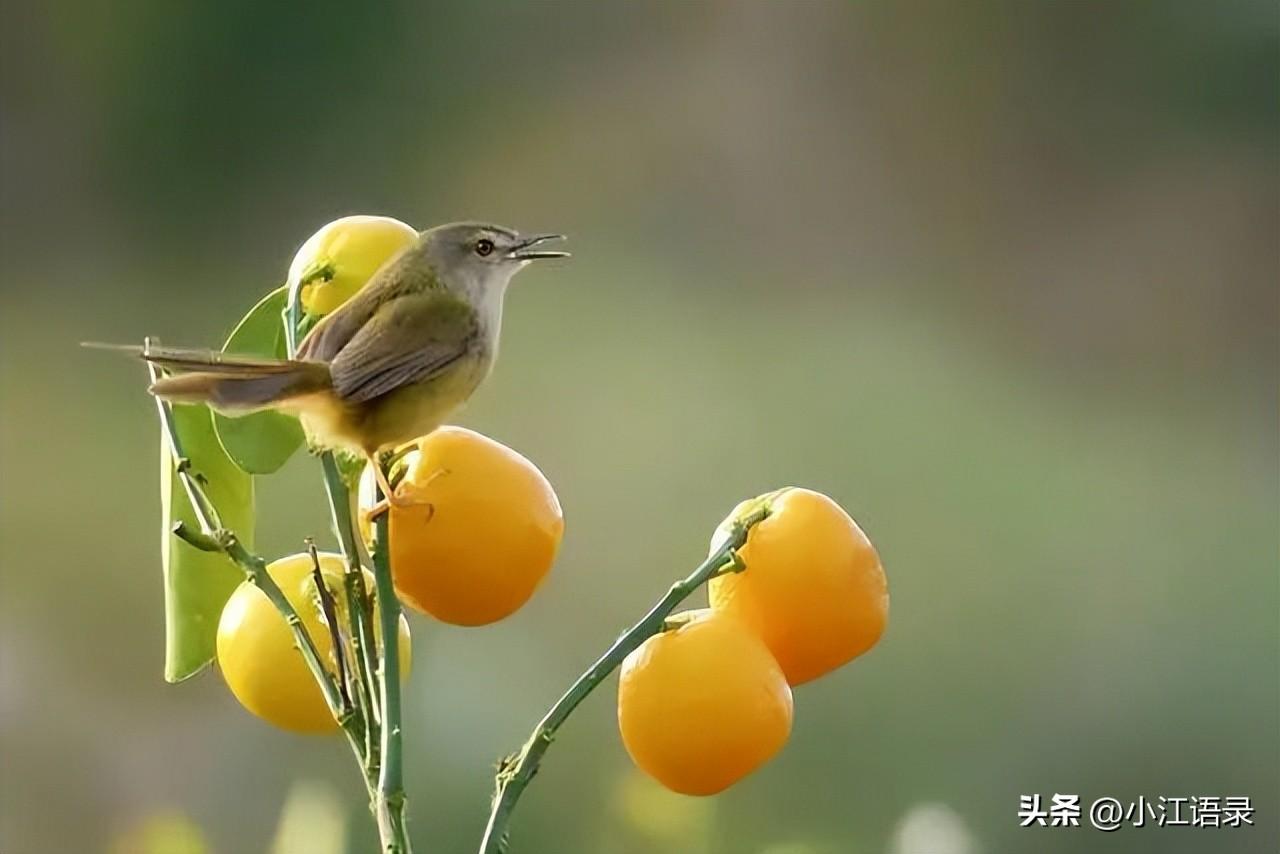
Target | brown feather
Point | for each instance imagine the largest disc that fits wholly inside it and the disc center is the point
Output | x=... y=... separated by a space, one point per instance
x=242 y=390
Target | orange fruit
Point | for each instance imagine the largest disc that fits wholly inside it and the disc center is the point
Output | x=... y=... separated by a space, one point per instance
x=702 y=705
x=482 y=531
x=813 y=589
x=337 y=260
x=256 y=652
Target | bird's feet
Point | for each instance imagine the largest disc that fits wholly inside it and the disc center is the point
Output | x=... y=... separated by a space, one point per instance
x=399 y=501
x=392 y=497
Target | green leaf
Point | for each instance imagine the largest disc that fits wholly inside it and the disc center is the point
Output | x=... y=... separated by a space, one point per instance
x=197 y=584
x=262 y=442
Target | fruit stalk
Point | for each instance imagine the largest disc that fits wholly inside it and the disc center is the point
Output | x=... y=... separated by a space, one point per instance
x=390 y=797
x=292 y=319
x=516 y=770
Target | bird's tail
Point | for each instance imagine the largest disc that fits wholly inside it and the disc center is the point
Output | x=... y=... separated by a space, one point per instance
x=230 y=383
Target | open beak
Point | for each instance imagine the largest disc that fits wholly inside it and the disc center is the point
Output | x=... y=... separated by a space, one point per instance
x=524 y=251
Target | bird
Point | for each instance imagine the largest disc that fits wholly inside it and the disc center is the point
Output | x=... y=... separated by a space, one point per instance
x=390 y=364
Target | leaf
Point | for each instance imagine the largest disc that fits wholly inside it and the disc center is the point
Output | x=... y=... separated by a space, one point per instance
x=197 y=584
x=262 y=442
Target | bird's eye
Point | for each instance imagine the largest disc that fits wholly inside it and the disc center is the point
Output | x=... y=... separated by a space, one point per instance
x=484 y=246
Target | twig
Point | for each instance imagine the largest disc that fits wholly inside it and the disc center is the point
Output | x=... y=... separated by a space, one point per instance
x=359 y=610
x=390 y=811
x=291 y=317
x=516 y=770
x=330 y=611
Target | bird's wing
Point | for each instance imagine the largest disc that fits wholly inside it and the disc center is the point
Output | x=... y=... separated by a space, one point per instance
x=409 y=339
x=400 y=277
x=335 y=331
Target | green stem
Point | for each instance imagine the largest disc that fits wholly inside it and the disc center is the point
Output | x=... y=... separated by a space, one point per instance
x=515 y=772
x=359 y=613
x=390 y=799
x=329 y=608
x=291 y=317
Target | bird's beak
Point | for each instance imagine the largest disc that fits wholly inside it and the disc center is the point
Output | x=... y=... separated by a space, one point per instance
x=524 y=251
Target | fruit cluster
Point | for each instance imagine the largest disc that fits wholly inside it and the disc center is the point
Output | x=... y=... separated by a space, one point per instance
x=474 y=530
x=708 y=701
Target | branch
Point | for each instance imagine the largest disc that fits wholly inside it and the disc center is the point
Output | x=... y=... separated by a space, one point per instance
x=515 y=771
x=330 y=611
x=391 y=797
x=359 y=611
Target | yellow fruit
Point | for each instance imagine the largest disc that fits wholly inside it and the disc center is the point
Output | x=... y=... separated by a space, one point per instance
x=337 y=260
x=481 y=533
x=813 y=589
x=256 y=652
x=703 y=705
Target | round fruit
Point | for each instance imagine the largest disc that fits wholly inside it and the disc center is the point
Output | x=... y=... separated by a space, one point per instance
x=337 y=260
x=813 y=587
x=702 y=705
x=479 y=531
x=256 y=652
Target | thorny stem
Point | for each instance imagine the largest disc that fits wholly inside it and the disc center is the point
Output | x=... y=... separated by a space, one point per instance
x=330 y=611
x=359 y=617
x=516 y=770
x=390 y=795
x=361 y=676
x=359 y=610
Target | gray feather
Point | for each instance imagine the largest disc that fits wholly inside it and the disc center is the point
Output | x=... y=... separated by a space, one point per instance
x=411 y=339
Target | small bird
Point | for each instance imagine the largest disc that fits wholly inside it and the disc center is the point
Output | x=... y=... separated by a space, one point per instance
x=391 y=363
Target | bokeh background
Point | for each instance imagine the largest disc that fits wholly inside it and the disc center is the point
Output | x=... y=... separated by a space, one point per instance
x=999 y=276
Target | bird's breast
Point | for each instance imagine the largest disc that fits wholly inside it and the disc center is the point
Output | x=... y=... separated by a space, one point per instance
x=419 y=408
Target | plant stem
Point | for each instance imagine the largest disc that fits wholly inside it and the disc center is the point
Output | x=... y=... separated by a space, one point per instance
x=359 y=612
x=516 y=770
x=390 y=794
x=291 y=317
x=330 y=610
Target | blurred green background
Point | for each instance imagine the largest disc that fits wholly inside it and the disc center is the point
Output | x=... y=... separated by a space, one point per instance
x=1000 y=277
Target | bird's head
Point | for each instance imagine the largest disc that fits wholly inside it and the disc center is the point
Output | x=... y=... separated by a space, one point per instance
x=480 y=259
